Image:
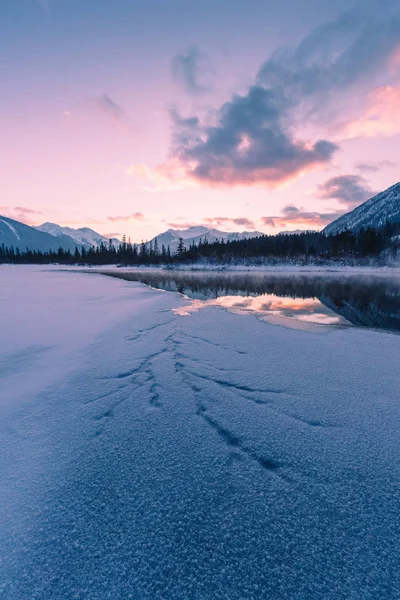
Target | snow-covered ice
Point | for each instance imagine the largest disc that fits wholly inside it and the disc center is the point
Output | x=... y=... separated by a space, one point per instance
x=149 y=455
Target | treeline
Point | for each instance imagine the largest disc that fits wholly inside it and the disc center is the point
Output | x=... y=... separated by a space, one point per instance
x=306 y=247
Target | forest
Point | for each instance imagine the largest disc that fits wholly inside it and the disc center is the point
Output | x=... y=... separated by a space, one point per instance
x=380 y=245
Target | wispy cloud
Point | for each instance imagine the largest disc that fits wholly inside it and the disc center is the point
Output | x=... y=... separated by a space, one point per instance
x=45 y=6
x=300 y=218
x=170 y=176
x=111 y=109
x=191 y=71
x=255 y=137
x=112 y=235
x=381 y=115
x=230 y=222
x=21 y=213
x=368 y=167
x=226 y=223
x=137 y=216
x=349 y=190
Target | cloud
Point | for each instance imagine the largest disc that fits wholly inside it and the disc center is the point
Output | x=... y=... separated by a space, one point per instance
x=254 y=137
x=182 y=224
x=190 y=71
x=248 y=145
x=349 y=190
x=169 y=176
x=27 y=211
x=291 y=210
x=301 y=218
x=363 y=167
x=228 y=223
x=21 y=213
x=381 y=116
x=45 y=5
x=137 y=216
x=337 y=56
x=112 y=235
x=111 y=109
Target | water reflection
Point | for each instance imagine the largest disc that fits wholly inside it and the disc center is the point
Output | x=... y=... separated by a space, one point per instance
x=288 y=311
x=323 y=298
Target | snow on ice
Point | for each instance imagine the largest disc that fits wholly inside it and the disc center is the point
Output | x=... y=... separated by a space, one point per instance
x=150 y=455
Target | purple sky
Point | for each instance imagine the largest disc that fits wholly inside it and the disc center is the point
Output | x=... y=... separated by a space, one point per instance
x=131 y=116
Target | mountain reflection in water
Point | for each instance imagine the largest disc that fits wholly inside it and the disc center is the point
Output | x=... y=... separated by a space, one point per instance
x=324 y=298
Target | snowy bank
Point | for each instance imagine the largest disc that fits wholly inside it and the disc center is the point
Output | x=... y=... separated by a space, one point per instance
x=206 y=456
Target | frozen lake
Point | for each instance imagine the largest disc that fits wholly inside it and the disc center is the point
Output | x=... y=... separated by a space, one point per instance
x=158 y=446
x=341 y=299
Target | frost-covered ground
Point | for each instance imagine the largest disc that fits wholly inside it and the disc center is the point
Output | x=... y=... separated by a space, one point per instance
x=148 y=455
x=387 y=271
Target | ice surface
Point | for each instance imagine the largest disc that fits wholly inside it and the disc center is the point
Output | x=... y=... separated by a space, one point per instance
x=147 y=455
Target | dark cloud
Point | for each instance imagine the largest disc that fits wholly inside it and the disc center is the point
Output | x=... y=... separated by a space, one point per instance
x=350 y=190
x=337 y=56
x=111 y=109
x=290 y=210
x=244 y=222
x=190 y=70
x=252 y=139
x=137 y=216
x=249 y=144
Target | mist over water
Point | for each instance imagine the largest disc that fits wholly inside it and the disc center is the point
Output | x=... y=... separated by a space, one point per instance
x=324 y=298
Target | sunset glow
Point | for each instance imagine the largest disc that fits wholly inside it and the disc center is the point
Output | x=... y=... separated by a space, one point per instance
x=180 y=119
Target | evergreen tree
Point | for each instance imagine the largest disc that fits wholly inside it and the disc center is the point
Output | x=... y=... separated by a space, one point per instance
x=181 y=248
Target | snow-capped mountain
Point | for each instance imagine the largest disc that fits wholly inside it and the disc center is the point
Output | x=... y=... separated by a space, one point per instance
x=16 y=234
x=375 y=212
x=196 y=233
x=84 y=236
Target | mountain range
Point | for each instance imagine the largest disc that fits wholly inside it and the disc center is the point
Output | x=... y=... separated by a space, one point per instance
x=83 y=237
x=16 y=234
x=375 y=212
x=50 y=236
x=194 y=234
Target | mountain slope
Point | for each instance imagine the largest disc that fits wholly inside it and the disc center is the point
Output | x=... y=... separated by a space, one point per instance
x=84 y=236
x=196 y=233
x=16 y=234
x=375 y=212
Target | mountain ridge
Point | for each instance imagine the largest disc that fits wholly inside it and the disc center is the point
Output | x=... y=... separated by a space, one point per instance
x=374 y=212
x=17 y=234
x=84 y=236
x=195 y=233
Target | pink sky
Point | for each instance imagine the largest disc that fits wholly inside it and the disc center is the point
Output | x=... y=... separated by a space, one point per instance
x=95 y=132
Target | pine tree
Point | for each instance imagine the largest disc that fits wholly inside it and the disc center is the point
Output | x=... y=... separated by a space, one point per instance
x=181 y=248
x=143 y=251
